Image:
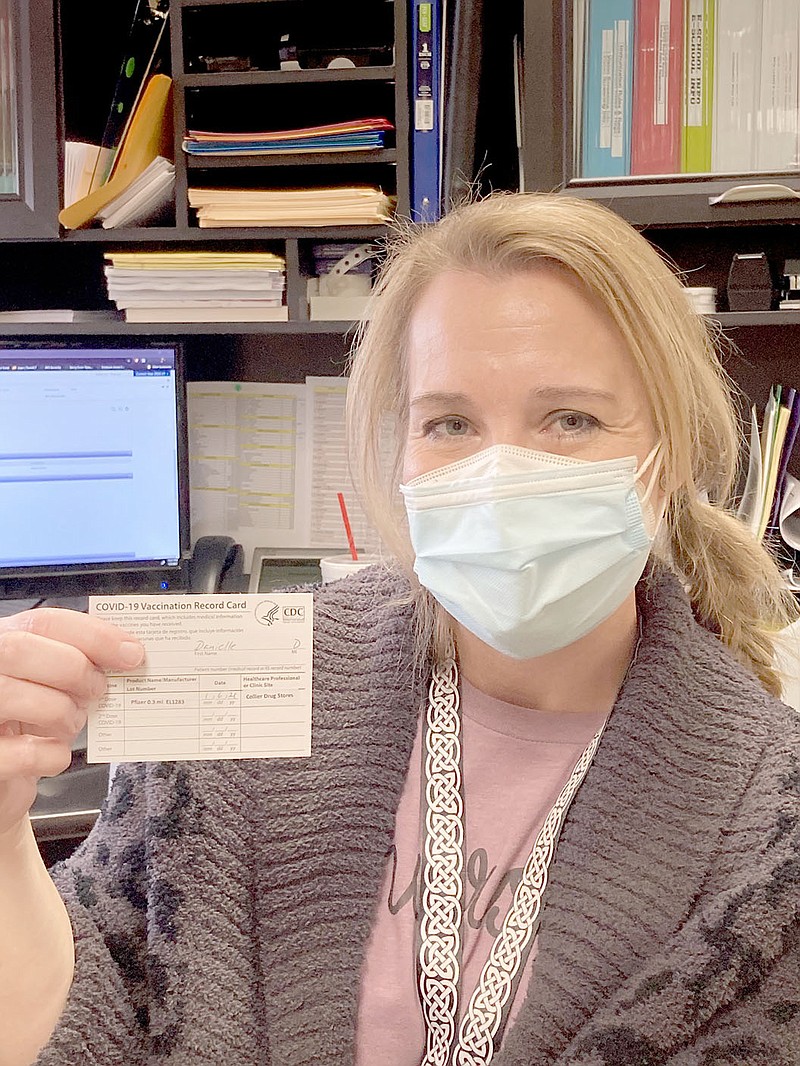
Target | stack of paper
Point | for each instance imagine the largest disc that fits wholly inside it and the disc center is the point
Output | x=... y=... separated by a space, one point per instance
x=762 y=503
x=346 y=206
x=145 y=200
x=197 y=286
x=359 y=135
x=86 y=167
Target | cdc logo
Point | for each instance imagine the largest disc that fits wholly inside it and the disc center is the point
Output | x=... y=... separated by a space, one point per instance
x=295 y=613
x=267 y=612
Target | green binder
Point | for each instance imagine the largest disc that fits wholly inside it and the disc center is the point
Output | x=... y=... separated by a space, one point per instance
x=698 y=87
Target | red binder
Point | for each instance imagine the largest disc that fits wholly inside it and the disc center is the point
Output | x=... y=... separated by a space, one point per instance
x=656 y=119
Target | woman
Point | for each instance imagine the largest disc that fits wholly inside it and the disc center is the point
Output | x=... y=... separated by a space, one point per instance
x=529 y=671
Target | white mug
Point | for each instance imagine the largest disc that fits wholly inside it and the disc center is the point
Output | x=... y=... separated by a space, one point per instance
x=334 y=567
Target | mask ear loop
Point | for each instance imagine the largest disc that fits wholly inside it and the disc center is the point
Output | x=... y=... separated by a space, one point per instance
x=653 y=459
x=648 y=462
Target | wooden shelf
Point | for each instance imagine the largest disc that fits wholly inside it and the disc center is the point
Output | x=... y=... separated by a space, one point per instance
x=218 y=3
x=227 y=79
x=255 y=159
x=115 y=328
x=757 y=318
x=194 y=235
x=161 y=329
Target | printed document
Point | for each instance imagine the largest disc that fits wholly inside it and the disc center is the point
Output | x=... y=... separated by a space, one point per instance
x=224 y=677
x=247 y=462
x=267 y=461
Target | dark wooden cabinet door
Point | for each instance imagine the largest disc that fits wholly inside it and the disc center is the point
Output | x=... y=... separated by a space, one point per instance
x=29 y=140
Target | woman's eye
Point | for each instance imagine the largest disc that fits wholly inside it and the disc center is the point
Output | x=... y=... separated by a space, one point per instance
x=448 y=427
x=573 y=423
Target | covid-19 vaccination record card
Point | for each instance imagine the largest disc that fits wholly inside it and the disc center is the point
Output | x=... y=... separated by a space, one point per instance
x=224 y=677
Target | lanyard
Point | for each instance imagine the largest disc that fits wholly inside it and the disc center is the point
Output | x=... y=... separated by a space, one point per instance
x=439 y=957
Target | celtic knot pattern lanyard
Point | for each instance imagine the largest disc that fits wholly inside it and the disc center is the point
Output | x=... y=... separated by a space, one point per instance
x=439 y=960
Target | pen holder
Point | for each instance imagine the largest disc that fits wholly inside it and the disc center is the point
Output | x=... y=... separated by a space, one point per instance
x=750 y=283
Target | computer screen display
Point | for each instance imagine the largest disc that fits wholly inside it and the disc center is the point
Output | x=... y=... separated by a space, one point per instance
x=93 y=472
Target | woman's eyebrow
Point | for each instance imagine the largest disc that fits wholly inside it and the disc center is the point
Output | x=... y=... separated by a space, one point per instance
x=439 y=399
x=562 y=393
x=551 y=393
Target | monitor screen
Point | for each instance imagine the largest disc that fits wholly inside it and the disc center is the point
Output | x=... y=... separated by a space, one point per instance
x=93 y=474
x=273 y=569
x=277 y=573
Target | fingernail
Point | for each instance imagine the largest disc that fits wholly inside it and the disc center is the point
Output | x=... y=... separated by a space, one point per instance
x=130 y=654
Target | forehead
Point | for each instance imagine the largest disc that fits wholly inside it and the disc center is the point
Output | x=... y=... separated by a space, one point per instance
x=537 y=327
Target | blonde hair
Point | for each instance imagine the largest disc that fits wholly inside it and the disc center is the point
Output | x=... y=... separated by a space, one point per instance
x=732 y=581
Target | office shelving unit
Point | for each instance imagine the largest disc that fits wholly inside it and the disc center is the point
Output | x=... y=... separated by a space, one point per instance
x=43 y=265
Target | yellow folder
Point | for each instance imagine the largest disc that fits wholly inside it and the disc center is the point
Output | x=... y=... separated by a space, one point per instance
x=149 y=134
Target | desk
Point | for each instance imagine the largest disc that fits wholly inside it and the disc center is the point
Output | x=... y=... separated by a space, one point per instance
x=8 y=607
x=75 y=603
x=67 y=806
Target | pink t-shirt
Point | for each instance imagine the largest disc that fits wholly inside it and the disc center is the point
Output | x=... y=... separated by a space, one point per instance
x=515 y=761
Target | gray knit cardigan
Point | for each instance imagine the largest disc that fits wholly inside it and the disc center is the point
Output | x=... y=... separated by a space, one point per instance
x=221 y=909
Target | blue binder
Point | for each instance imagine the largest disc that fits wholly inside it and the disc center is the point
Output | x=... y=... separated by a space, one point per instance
x=607 y=89
x=426 y=118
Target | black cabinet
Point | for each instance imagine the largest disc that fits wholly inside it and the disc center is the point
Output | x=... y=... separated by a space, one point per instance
x=29 y=133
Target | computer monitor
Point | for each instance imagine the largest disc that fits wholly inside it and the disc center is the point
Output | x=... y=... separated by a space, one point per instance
x=93 y=467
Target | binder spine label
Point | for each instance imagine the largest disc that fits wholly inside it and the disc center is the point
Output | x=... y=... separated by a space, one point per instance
x=423 y=115
x=662 y=87
x=606 y=87
x=694 y=59
x=621 y=61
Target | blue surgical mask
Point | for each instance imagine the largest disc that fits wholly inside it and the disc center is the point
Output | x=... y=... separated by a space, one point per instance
x=531 y=551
